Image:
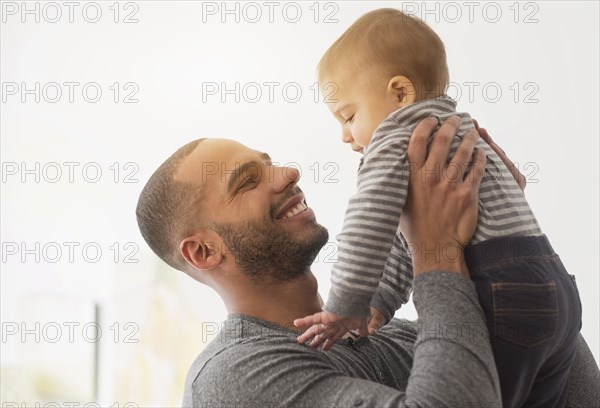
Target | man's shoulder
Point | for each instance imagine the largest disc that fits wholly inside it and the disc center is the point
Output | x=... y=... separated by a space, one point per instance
x=271 y=365
x=199 y=368
x=219 y=352
x=233 y=365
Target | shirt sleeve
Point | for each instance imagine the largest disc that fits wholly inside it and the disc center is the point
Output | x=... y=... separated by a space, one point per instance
x=453 y=363
x=396 y=282
x=370 y=223
x=584 y=380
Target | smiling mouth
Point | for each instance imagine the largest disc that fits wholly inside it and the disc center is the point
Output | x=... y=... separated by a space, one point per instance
x=295 y=210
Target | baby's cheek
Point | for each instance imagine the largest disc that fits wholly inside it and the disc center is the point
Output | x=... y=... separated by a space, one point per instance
x=363 y=138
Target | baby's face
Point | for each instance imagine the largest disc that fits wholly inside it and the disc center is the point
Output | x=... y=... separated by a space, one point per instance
x=359 y=108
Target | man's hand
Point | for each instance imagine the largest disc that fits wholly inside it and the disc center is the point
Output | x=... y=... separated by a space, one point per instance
x=440 y=214
x=328 y=327
x=519 y=177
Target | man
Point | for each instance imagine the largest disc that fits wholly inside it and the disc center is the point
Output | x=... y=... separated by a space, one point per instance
x=250 y=235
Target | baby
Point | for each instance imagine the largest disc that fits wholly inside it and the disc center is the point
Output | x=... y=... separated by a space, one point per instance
x=390 y=72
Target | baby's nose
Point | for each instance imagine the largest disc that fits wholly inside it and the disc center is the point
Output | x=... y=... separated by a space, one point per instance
x=347 y=136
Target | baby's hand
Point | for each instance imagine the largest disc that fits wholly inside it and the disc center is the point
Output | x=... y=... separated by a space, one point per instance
x=376 y=321
x=328 y=327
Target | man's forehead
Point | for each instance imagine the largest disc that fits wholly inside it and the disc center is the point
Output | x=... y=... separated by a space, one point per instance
x=213 y=158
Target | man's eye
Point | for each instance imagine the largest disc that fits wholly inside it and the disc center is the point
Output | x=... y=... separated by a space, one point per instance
x=247 y=181
x=350 y=119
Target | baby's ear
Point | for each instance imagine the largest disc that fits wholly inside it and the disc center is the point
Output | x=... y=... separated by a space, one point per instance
x=402 y=89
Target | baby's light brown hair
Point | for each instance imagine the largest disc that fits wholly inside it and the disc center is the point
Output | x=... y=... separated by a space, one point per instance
x=384 y=43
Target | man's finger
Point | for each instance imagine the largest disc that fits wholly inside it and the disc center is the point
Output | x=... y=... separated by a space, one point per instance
x=417 y=146
x=519 y=177
x=488 y=139
x=463 y=155
x=440 y=146
x=477 y=169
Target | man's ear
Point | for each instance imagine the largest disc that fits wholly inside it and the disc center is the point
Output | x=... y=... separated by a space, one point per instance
x=402 y=90
x=202 y=250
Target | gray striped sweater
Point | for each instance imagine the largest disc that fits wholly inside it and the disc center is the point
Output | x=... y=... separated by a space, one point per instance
x=374 y=265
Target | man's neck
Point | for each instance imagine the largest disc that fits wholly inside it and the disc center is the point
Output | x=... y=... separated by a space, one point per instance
x=279 y=303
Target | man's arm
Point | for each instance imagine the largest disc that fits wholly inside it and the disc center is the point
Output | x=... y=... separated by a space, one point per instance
x=437 y=232
x=514 y=170
x=584 y=380
x=453 y=362
x=441 y=210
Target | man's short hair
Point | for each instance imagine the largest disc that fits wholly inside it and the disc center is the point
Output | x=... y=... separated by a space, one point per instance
x=168 y=209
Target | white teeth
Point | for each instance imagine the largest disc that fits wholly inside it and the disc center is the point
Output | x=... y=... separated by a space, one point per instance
x=298 y=208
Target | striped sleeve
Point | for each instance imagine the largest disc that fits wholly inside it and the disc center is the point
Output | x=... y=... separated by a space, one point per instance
x=371 y=222
x=396 y=283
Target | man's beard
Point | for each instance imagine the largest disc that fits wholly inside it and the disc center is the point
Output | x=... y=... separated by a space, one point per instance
x=267 y=253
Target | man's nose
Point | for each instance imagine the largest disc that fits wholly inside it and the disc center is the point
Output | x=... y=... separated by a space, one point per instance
x=285 y=177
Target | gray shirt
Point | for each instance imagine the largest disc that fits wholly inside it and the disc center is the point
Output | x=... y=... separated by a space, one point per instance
x=444 y=359
x=253 y=363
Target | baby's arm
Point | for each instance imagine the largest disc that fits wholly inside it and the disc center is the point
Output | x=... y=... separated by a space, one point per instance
x=365 y=243
x=371 y=222
x=396 y=282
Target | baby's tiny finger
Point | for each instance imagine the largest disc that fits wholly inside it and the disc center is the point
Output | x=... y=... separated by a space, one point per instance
x=363 y=331
x=319 y=328
x=379 y=322
x=374 y=324
x=305 y=321
x=316 y=342
x=328 y=344
x=300 y=323
x=307 y=335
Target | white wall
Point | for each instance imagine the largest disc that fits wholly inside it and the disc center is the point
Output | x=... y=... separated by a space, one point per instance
x=176 y=51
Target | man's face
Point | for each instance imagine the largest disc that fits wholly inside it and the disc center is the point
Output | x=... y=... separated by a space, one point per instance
x=256 y=208
x=360 y=108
